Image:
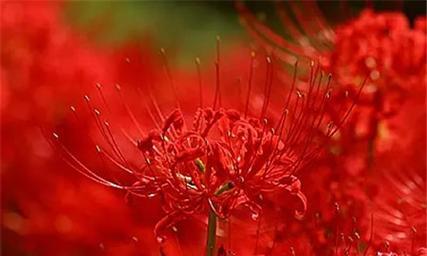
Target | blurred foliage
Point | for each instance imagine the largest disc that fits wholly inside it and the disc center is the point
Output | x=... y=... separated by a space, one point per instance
x=188 y=29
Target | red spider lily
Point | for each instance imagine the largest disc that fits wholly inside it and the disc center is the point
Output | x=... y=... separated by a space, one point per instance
x=370 y=44
x=396 y=224
x=400 y=212
x=217 y=158
x=400 y=205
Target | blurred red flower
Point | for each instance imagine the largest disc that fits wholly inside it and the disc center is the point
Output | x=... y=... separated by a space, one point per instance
x=46 y=207
x=385 y=48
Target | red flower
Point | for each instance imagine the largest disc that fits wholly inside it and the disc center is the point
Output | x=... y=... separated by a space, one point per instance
x=46 y=208
x=380 y=130
x=221 y=160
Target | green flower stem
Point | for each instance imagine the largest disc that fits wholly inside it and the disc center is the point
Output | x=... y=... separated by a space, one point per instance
x=212 y=220
x=211 y=239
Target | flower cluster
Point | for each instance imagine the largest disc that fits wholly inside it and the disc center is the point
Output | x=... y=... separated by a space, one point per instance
x=381 y=128
x=225 y=158
x=257 y=155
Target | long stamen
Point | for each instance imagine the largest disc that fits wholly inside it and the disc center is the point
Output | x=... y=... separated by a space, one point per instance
x=169 y=75
x=280 y=124
x=251 y=71
x=95 y=113
x=217 y=98
x=268 y=84
x=199 y=75
x=102 y=96
x=80 y=167
x=129 y=111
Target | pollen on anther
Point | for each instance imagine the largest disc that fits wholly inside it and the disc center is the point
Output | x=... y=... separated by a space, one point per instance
x=337 y=206
x=375 y=75
x=265 y=121
x=357 y=235
x=347 y=93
